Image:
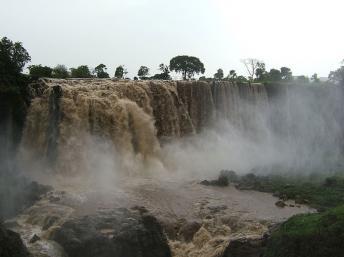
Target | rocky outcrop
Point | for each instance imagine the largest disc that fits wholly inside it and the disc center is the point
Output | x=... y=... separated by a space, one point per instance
x=116 y=233
x=11 y=244
x=17 y=194
x=246 y=247
x=13 y=109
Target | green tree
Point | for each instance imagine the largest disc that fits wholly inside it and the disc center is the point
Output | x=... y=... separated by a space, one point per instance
x=143 y=72
x=13 y=105
x=315 y=78
x=81 y=72
x=337 y=76
x=286 y=73
x=100 y=71
x=39 y=71
x=121 y=72
x=260 y=72
x=275 y=75
x=187 y=65
x=60 y=72
x=13 y=58
x=241 y=79
x=232 y=75
x=302 y=79
x=165 y=73
x=219 y=74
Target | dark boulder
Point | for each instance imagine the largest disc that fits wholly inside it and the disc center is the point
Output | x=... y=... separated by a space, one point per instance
x=231 y=175
x=115 y=233
x=246 y=247
x=34 y=239
x=11 y=244
x=18 y=193
x=188 y=230
x=280 y=204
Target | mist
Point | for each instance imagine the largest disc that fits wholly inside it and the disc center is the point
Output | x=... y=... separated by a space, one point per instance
x=299 y=132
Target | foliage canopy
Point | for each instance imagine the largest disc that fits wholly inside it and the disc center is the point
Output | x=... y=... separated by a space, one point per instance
x=38 y=71
x=81 y=72
x=100 y=71
x=187 y=65
x=143 y=72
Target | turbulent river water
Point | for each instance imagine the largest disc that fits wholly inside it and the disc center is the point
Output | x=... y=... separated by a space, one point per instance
x=223 y=214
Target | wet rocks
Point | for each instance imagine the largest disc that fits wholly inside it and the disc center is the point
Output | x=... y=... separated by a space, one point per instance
x=17 y=194
x=280 y=204
x=188 y=230
x=246 y=247
x=216 y=208
x=11 y=244
x=116 y=233
x=34 y=239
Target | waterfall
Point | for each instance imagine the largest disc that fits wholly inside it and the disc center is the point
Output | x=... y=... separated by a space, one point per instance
x=135 y=118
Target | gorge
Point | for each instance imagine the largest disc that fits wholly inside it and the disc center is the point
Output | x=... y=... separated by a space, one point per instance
x=144 y=146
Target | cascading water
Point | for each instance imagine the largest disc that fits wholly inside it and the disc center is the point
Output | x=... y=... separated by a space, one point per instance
x=130 y=115
x=135 y=117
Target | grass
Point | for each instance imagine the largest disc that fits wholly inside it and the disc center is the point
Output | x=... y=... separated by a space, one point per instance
x=306 y=235
x=318 y=191
x=316 y=235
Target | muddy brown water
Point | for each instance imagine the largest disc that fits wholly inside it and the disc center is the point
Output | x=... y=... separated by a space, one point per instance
x=222 y=213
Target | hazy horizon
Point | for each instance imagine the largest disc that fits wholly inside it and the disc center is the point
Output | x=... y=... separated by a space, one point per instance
x=304 y=36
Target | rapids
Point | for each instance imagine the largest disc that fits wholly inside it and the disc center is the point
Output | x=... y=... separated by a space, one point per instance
x=222 y=214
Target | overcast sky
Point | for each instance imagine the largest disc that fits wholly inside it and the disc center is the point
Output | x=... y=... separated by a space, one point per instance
x=305 y=35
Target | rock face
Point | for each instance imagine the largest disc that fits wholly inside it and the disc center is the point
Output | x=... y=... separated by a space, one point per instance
x=116 y=233
x=18 y=193
x=11 y=244
x=13 y=109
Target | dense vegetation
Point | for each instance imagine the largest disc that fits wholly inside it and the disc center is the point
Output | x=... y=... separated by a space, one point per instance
x=319 y=191
x=13 y=58
x=309 y=235
x=13 y=97
x=317 y=234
